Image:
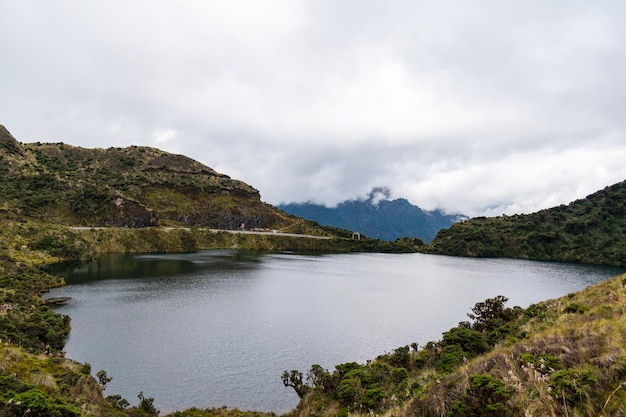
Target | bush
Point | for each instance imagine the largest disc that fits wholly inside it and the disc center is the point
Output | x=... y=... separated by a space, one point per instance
x=451 y=356
x=573 y=384
x=350 y=389
x=401 y=357
x=575 y=308
x=469 y=340
x=399 y=375
x=21 y=399
x=373 y=398
x=485 y=397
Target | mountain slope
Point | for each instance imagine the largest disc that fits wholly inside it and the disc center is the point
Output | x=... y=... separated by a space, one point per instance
x=378 y=218
x=130 y=187
x=590 y=230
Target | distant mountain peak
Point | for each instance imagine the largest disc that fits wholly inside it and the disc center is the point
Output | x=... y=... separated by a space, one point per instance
x=377 y=216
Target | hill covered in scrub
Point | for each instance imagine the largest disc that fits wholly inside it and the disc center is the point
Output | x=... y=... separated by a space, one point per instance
x=124 y=187
x=377 y=217
x=590 y=230
x=563 y=357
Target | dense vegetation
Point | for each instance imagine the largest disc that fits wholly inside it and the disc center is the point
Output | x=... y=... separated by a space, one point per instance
x=378 y=218
x=590 y=230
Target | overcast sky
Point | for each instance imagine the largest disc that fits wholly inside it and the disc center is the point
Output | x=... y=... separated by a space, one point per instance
x=481 y=107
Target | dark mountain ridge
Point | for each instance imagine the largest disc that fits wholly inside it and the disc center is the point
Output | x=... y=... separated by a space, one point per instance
x=377 y=217
x=589 y=230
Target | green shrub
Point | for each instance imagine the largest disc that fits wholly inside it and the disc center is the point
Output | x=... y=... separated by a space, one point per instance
x=451 y=356
x=21 y=399
x=573 y=384
x=469 y=340
x=401 y=356
x=380 y=371
x=399 y=375
x=373 y=398
x=349 y=390
x=575 y=308
x=485 y=397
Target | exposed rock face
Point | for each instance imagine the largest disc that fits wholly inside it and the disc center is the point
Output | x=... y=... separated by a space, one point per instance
x=128 y=213
x=124 y=187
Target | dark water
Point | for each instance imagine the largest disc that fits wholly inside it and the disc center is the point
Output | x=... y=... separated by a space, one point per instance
x=219 y=327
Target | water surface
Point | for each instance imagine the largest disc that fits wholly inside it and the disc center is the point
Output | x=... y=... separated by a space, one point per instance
x=218 y=327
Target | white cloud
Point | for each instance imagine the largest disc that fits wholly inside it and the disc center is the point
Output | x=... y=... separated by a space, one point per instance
x=520 y=183
x=482 y=107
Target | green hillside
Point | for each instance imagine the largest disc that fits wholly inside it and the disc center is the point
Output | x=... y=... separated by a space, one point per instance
x=590 y=230
x=124 y=187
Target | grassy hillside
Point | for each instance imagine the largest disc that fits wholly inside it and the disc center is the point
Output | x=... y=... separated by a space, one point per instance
x=144 y=189
x=563 y=357
x=590 y=230
x=124 y=187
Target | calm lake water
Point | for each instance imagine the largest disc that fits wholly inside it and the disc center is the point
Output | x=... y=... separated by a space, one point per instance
x=219 y=327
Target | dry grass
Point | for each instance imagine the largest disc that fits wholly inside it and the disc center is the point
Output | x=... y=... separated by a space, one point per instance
x=592 y=341
x=572 y=363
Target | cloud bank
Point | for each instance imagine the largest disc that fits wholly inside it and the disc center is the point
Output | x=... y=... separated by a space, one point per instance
x=481 y=108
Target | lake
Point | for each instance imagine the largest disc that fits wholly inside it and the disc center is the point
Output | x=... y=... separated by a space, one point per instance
x=219 y=327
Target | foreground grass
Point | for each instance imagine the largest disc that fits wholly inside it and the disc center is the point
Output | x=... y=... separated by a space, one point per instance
x=563 y=357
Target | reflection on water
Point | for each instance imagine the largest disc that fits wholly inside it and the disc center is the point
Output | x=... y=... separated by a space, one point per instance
x=123 y=266
x=219 y=327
